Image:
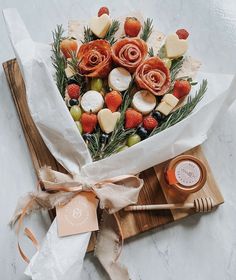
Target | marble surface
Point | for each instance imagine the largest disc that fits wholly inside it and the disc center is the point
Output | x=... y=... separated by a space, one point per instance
x=198 y=248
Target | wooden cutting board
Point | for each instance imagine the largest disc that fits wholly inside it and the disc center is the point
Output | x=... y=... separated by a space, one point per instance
x=155 y=189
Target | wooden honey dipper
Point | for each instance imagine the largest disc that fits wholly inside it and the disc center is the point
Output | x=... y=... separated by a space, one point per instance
x=205 y=204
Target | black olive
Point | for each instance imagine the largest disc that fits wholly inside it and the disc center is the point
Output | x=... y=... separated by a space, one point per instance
x=158 y=116
x=73 y=102
x=72 y=81
x=87 y=137
x=142 y=132
x=103 y=138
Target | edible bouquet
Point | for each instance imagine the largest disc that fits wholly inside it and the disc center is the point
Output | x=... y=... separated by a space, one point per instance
x=110 y=99
x=121 y=89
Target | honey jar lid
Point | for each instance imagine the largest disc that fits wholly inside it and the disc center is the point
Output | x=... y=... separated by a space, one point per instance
x=186 y=173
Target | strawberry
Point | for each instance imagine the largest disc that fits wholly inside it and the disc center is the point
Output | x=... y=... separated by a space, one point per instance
x=89 y=122
x=182 y=34
x=132 y=26
x=113 y=100
x=68 y=46
x=132 y=118
x=181 y=88
x=149 y=123
x=73 y=91
x=103 y=10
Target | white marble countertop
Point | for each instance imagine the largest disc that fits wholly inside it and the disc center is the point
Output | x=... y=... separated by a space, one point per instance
x=198 y=248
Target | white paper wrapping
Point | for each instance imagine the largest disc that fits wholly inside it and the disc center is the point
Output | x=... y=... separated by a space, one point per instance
x=61 y=258
x=57 y=259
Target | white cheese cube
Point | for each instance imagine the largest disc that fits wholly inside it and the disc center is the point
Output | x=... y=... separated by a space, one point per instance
x=164 y=108
x=170 y=99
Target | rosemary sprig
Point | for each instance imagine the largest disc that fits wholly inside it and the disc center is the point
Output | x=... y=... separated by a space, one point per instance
x=58 y=61
x=88 y=35
x=176 y=67
x=151 y=52
x=79 y=78
x=127 y=98
x=147 y=29
x=73 y=62
x=183 y=111
x=115 y=25
x=174 y=70
x=94 y=144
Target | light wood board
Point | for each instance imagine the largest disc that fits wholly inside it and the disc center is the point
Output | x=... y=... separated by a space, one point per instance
x=155 y=189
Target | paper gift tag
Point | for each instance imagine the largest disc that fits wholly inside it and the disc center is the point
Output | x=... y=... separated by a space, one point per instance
x=78 y=216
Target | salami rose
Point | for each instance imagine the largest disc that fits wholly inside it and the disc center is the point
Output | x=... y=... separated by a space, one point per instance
x=153 y=76
x=95 y=59
x=129 y=53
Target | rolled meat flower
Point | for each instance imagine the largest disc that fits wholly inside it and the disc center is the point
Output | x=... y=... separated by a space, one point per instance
x=153 y=76
x=95 y=59
x=129 y=53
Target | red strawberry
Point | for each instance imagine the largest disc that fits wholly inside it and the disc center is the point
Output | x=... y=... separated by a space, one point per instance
x=103 y=10
x=113 y=100
x=182 y=34
x=73 y=91
x=149 y=123
x=89 y=122
x=132 y=118
x=181 y=88
x=132 y=26
x=67 y=46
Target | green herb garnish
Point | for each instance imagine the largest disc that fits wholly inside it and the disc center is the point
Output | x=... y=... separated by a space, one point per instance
x=110 y=36
x=176 y=67
x=59 y=61
x=94 y=144
x=88 y=35
x=147 y=29
x=151 y=52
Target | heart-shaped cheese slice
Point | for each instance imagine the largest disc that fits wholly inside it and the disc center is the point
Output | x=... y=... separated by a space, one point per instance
x=107 y=120
x=100 y=25
x=175 y=47
x=144 y=101
x=92 y=101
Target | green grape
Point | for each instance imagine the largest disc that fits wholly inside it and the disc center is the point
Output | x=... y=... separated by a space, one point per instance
x=75 y=112
x=167 y=62
x=96 y=84
x=79 y=125
x=122 y=148
x=133 y=139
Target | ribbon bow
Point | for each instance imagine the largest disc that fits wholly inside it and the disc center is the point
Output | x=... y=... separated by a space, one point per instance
x=113 y=193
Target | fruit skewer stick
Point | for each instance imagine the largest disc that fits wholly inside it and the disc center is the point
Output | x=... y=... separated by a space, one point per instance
x=205 y=204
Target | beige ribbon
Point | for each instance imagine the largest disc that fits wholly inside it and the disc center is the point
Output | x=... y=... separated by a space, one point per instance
x=113 y=193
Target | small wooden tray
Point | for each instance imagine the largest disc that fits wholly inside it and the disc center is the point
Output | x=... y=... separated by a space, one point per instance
x=155 y=189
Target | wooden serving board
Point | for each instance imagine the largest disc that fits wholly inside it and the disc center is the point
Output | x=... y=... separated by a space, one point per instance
x=155 y=189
